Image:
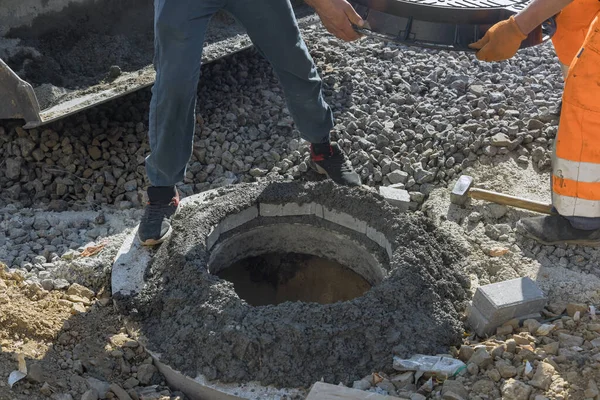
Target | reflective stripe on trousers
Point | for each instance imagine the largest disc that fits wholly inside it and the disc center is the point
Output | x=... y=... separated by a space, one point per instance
x=576 y=163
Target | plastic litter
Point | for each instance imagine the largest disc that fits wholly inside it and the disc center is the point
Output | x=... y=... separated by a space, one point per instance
x=528 y=368
x=439 y=366
x=16 y=376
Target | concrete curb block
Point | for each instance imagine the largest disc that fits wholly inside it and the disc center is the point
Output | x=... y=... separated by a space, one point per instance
x=497 y=303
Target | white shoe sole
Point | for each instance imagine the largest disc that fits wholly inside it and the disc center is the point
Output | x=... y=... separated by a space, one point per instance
x=154 y=242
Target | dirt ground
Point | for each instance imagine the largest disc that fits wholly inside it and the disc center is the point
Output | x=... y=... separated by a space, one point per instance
x=73 y=344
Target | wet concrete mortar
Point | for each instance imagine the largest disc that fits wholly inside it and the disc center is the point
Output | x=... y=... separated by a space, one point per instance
x=184 y=309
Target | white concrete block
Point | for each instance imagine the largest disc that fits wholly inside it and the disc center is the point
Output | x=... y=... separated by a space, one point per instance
x=129 y=266
x=233 y=221
x=344 y=219
x=318 y=208
x=290 y=209
x=270 y=210
x=397 y=197
x=388 y=249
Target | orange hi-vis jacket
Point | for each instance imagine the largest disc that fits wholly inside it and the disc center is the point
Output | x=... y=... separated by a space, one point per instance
x=576 y=162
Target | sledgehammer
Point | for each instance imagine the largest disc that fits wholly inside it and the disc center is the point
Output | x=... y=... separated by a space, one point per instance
x=463 y=190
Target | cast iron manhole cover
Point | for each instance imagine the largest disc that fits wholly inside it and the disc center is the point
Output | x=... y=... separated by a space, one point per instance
x=442 y=24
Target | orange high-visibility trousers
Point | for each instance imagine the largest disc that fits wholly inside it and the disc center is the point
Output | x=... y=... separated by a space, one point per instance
x=576 y=163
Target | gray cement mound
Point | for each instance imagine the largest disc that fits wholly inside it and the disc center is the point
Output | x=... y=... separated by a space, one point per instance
x=199 y=325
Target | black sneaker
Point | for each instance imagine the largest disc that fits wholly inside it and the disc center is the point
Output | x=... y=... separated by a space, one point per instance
x=329 y=159
x=155 y=226
x=555 y=230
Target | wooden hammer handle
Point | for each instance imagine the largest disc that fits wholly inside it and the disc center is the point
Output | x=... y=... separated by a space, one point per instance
x=507 y=200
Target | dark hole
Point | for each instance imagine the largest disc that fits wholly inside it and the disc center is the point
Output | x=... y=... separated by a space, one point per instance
x=279 y=277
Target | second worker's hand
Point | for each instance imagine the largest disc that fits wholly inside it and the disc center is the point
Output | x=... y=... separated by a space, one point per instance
x=338 y=16
x=500 y=42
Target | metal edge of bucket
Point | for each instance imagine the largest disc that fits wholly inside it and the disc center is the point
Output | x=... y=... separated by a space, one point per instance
x=95 y=95
x=19 y=100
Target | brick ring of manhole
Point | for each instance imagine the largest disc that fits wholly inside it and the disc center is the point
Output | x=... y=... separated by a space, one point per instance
x=286 y=284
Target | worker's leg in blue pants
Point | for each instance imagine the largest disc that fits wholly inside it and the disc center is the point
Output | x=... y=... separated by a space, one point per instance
x=273 y=29
x=179 y=29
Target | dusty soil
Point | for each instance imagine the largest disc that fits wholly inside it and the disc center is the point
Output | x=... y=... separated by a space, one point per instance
x=72 y=342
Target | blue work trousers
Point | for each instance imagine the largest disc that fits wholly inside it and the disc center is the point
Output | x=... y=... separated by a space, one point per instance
x=179 y=30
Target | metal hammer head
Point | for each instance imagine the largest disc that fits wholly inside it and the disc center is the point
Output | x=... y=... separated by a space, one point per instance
x=460 y=192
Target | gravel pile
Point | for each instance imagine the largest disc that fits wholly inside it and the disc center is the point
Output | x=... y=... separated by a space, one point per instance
x=557 y=358
x=55 y=248
x=409 y=117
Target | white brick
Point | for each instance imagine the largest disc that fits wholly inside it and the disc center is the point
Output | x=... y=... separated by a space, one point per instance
x=319 y=210
x=346 y=220
x=271 y=210
x=235 y=220
x=388 y=249
x=397 y=197
x=376 y=236
x=290 y=209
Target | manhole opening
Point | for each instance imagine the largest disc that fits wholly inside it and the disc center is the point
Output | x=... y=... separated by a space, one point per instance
x=275 y=278
x=299 y=253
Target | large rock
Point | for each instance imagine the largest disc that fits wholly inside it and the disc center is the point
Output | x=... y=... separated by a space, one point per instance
x=515 y=390
x=145 y=373
x=397 y=176
x=465 y=353
x=543 y=376
x=454 y=390
x=567 y=340
x=81 y=291
x=13 y=168
x=481 y=358
x=506 y=370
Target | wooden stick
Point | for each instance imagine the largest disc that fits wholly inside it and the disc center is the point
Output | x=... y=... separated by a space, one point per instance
x=507 y=200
